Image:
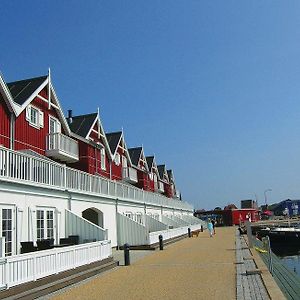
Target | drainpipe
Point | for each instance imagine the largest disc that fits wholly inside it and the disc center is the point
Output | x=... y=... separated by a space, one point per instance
x=12 y=131
x=69 y=200
x=110 y=175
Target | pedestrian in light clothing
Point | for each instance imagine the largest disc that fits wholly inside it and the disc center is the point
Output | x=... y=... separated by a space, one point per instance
x=210 y=228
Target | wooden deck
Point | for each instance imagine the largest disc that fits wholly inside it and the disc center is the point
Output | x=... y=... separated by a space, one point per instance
x=249 y=281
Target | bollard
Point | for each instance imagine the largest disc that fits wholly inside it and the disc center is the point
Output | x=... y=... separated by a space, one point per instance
x=201 y=228
x=161 y=242
x=189 y=232
x=126 y=255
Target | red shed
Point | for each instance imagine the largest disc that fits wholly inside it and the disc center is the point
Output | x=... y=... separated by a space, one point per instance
x=245 y=214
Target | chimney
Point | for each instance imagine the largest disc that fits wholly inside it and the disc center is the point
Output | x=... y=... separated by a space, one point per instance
x=70 y=120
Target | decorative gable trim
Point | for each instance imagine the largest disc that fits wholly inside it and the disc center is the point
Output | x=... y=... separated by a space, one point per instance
x=7 y=96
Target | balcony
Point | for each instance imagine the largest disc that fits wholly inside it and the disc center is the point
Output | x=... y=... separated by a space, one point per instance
x=130 y=175
x=161 y=188
x=62 y=147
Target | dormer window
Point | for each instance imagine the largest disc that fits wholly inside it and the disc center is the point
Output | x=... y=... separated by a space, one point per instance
x=103 y=164
x=34 y=116
x=117 y=159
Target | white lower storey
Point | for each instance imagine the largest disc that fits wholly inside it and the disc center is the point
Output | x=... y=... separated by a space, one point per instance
x=29 y=213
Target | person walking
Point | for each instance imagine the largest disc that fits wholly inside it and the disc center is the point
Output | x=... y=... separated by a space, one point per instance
x=214 y=225
x=210 y=227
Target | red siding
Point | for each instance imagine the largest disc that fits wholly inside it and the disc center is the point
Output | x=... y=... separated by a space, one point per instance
x=5 y=123
x=168 y=190
x=29 y=137
x=240 y=215
x=143 y=180
x=151 y=185
x=90 y=157
x=116 y=171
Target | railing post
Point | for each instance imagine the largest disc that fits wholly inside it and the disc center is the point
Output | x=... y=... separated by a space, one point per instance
x=270 y=255
x=161 y=242
x=65 y=177
x=7 y=164
x=126 y=255
x=249 y=234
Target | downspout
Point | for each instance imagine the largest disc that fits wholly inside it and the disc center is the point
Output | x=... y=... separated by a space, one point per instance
x=12 y=131
x=110 y=172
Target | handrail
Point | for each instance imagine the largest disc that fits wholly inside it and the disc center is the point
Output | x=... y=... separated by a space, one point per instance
x=24 y=167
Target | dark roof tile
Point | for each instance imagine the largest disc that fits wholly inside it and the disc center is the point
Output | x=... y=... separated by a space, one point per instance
x=150 y=160
x=113 y=139
x=81 y=125
x=21 y=90
x=135 y=154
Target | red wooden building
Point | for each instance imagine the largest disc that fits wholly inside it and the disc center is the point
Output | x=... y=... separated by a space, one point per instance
x=139 y=162
x=163 y=181
x=121 y=166
x=32 y=121
x=153 y=173
x=244 y=214
x=6 y=113
x=38 y=123
x=94 y=152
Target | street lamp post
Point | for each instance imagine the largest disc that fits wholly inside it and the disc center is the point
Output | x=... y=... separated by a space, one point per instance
x=265 y=193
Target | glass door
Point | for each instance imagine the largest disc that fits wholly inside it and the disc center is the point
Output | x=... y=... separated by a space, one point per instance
x=7 y=229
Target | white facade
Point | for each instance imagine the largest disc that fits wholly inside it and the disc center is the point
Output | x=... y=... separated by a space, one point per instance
x=33 y=207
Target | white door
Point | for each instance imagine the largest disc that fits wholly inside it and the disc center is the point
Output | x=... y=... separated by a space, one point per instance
x=54 y=127
x=7 y=225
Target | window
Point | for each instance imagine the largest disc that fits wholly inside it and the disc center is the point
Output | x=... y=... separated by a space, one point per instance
x=45 y=224
x=7 y=230
x=54 y=125
x=34 y=113
x=103 y=163
x=117 y=159
x=34 y=116
x=138 y=218
x=128 y=215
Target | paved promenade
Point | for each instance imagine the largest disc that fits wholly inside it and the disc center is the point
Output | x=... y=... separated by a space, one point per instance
x=193 y=268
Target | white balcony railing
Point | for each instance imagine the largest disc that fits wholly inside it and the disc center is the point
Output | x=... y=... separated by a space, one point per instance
x=130 y=174
x=27 y=169
x=61 y=147
x=27 y=267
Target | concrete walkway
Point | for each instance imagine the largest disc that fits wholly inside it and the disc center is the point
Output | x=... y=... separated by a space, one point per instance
x=193 y=268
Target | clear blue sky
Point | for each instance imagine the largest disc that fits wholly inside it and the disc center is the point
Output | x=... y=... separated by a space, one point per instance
x=210 y=87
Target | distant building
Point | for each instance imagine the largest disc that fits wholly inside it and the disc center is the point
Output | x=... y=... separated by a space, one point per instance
x=248 y=204
x=287 y=207
x=230 y=206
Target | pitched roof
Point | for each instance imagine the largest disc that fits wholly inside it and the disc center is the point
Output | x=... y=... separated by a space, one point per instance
x=135 y=154
x=170 y=175
x=161 y=171
x=150 y=160
x=21 y=90
x=113 y=139
x=82 y=124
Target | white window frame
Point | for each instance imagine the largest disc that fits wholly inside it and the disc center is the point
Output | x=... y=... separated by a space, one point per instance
x=58 y=124
x=117 y=159
x=45 y=220
x=39 y=120
x=12 y=228
x=103 y=159
x=128 y=214
x=139 y=218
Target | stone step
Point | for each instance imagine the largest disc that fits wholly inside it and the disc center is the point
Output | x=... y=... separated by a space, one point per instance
x=50 y=284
